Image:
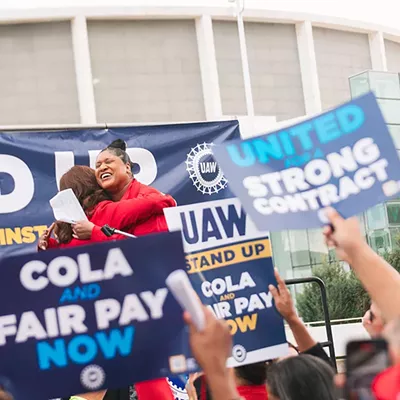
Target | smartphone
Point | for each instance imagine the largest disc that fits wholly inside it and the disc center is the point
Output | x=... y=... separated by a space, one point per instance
x=364 y=360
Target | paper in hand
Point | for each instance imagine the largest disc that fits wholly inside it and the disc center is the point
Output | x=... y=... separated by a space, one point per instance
x=66 y=207
x=179 y=284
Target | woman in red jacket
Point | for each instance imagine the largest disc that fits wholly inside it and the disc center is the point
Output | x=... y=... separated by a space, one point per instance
x=101 y=210
x=114 y=175
x=122 y=215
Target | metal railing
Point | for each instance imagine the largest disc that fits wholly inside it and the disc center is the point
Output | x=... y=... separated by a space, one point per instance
x=329 y=334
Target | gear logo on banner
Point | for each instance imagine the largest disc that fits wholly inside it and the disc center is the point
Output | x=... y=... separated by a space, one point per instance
x=239 y=353
x=93 y=377
x=204 y=171
x=178 y=388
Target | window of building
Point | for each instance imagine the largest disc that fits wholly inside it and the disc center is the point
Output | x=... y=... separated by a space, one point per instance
x=393 y=213
x=300 y=249
x=379 y=240
x=376 y=217
x=395 y=238
x=302 y=272
x=385 y=85
x=281 y=253
x=395 y=132
x=359 y=84
x=390 y=110
x=361 y=220
x=318 y=248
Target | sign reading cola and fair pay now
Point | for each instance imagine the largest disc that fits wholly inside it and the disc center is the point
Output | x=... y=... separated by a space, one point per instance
x=91 y=317
x=344 y=158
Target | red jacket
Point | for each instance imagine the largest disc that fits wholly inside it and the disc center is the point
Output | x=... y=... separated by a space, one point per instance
x=124 y=215
x=152 y=224
x=386 y=385
x=139 y=212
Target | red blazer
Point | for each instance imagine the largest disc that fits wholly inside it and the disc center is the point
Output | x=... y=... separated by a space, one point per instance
x=152 y=224
x=123 y=215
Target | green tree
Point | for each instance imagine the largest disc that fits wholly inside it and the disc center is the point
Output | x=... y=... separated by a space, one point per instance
x=346 y=296
x=393 y=258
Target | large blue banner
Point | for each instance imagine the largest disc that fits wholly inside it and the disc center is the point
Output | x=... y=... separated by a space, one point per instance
x=344 y=158
x=91 y=318
x=176 y=159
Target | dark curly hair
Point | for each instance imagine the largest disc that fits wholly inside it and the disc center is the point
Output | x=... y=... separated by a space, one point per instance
x=82 y=181
x=118 y=149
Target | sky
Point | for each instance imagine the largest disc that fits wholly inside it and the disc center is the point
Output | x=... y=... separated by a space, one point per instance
x=384 y=12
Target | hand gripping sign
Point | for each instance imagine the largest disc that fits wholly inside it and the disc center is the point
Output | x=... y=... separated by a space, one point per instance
x=344 y=158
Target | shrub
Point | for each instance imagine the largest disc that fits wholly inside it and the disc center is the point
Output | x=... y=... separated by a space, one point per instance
x=346 y=296
x=393 y=258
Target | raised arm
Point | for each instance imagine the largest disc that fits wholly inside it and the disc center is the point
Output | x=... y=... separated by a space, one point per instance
x=380 y=279
x=284 y=305
x=211 y=348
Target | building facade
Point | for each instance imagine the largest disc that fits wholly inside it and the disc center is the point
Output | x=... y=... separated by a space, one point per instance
x=157 y=64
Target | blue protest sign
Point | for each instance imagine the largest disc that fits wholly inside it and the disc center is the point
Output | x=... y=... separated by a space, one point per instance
x=92 y=317
x=344 y=158
x=230 y=266
x=176 y=159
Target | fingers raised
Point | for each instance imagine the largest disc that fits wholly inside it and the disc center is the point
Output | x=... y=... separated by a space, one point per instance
x=280 y=281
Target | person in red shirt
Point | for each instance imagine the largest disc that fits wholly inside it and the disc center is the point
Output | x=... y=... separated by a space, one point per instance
x=114 y=175
x=126 y=214
x=101 y=210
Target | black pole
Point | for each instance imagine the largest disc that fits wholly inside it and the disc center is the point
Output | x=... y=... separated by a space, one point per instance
x=321 y=284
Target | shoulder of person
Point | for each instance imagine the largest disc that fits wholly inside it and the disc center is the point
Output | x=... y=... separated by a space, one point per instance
x=101 y=206
x=145 y=190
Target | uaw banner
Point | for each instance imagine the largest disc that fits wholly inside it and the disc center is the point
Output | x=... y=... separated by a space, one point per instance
x=176 y=159
x=230 y=266
x=91 y=318
x=344 y=158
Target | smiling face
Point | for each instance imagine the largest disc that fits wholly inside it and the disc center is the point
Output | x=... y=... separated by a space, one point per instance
x=111 y=172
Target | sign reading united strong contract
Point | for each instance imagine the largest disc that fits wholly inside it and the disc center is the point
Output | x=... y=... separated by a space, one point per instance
x=230 y=266
x=344 y=158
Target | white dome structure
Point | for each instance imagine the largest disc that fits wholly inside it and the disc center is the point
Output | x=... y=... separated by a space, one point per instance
x=141 y=64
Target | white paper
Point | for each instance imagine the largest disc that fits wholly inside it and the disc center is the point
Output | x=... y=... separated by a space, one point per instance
x=66 y=207
x=179 y=284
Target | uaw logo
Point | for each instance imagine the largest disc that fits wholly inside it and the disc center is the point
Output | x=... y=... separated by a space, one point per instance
x=204 y=171
x=239 y=353
x=93 y=377
x=177 y=386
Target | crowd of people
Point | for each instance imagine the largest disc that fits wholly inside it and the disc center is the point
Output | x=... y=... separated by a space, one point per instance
x=111 y=195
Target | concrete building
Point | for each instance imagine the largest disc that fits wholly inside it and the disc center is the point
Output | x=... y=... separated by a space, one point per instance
x=167 y=64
